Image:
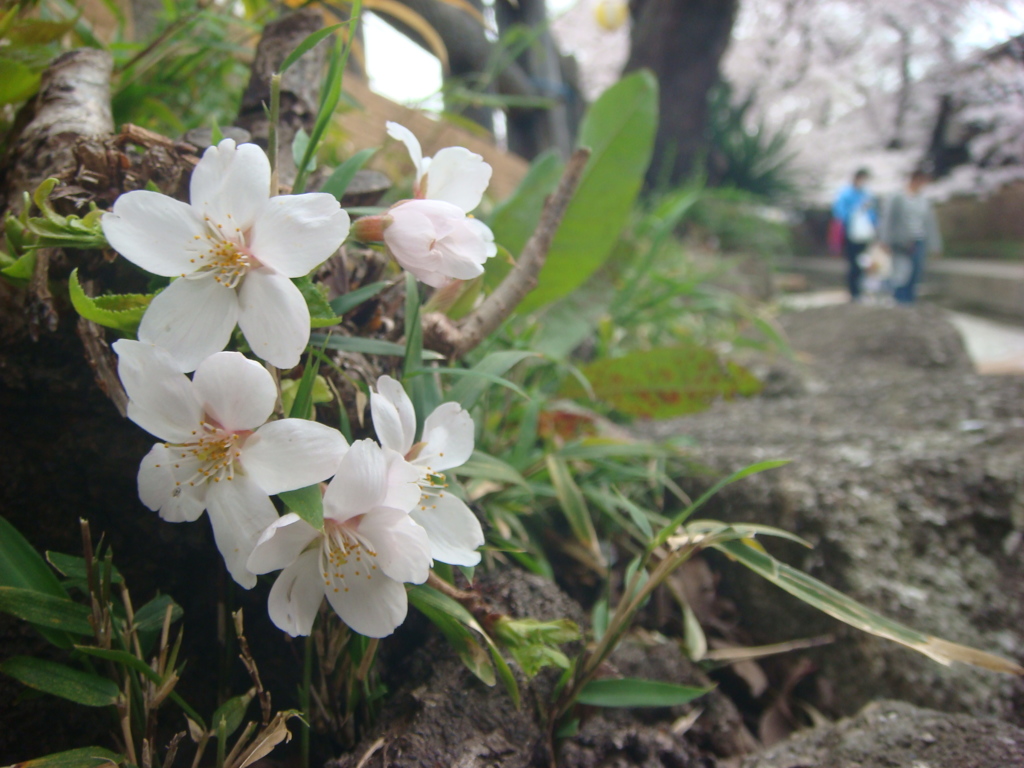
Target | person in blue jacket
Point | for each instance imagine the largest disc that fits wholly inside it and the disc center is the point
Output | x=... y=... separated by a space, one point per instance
x=855 y=201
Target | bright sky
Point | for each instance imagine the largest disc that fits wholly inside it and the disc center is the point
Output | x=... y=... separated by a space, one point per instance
x=398 y=68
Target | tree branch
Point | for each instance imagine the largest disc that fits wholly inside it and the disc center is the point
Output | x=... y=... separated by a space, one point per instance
x=73 y=104
x=440 y=334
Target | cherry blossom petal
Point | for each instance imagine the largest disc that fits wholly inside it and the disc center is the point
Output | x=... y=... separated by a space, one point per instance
x=281 y=544
x=154 y=231
x=452 y=528
x=292 y=453
x=410 y=238
x=239 y=511
x=370 y=603
x=464 y=250
x=192 y=318
x=230 y=184
x=402 y=547
x=162 y=489
x=459 y=177
x=394 y=418
x=448 y=437
x=295 y=233
x=160 y=397
x=360 y=484
x=238 y=393
x=274 y=317
x=404 y=135
x=296 y=595
x=403 y=482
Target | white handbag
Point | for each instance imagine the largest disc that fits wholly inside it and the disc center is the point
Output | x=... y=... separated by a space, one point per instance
x=862 y=229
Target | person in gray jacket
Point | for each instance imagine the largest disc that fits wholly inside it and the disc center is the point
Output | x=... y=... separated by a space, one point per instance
x=910 y=231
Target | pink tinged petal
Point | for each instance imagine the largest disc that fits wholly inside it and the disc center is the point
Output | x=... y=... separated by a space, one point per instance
x=452 y=528
x=410 y=238
x=161 y=487
x=239 y=511
x=296 y=595
x=403 y=482
x=237 y=392
x=281 y=544
x=295 y=233
x=486 y=236
x=155 y=232
x=402 y=546
x=448 y=437
x=274 y=318
x=292 y=453
x=459 y=177
x=360 y=484
x=192 y=318
x=160 y=397
x=396 y=427
x=463 y=251
x=404 y=135
x=230 y=185
x=368 y=601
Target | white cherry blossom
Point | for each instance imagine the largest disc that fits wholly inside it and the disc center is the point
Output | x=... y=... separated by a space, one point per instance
x=436 y=241
x=219 y=454
x=360 y=561
x=454 y=175
x=447 y=443
x=232 y=250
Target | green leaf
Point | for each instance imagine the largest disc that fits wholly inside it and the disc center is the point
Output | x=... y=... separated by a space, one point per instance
x=454 y=621
x=846 y=609
x=73 y=567
x=232 y=712
x=307 y=503
x=47 y=611
x=413 y=326
x=330 y=94
x=634 y=692
x=83 y=757
x=17 y=81
x=679 y=519
x=337 y=183
x=131 y=662
x=321 y=314
x=619 y=128
x=484 y=465
x=302 y=402
x=22 y=268
x=150 y=617
x=299 y=146
x=514 y=220
x=28 y=32
x=467 y=391
x=122 y=312
x=21 y=566
x=570 y=498
x=349 y=301
x=308 y=44
x=290 y=389
x=72 y=684
x=366 y=346
x=664 y=382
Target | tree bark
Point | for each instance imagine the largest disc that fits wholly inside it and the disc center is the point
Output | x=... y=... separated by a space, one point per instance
x=682 y=42
x=73 y=103
x=300 y=86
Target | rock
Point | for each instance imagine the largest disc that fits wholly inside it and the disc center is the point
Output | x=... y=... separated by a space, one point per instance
x=892 y=733
x=908 y=477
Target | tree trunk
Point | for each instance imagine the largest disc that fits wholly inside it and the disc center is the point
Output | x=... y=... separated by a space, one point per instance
x=531 y=132
x=682 y=42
